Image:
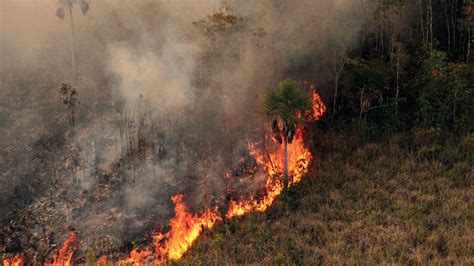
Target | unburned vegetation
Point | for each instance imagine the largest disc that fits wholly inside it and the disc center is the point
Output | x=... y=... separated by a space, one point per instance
x=366 y=202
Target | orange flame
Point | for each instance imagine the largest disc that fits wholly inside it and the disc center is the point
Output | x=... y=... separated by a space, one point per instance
x=102 y=261
x=299 y=158
x=63 y=257
x=17 y=260
x=317 y=105
x=185 y=229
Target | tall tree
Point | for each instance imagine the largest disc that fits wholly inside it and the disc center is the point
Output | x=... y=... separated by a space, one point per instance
x=446 y=4
x=338 y=42
x=468 y=24
x=285 y=105
x=398 y=59
x=60 y=12
x=338 y=63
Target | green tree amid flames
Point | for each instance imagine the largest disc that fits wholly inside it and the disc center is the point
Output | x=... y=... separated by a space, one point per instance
x=285 y=105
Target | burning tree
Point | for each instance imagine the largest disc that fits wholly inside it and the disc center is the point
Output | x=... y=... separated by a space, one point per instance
x=285 y=106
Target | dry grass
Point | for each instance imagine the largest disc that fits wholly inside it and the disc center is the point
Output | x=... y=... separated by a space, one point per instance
x=367 y=203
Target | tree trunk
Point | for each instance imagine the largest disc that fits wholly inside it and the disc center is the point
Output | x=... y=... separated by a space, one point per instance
x=422 y=23
x=361 y=107
x=448 y=27
x=455 y=103
x=453 y=23
x=73 y=118
x=337 y=73
x=285 y=163
x=468 y=53
x=431 y=26
x=336 y=77
x=398 y=82
x=382 y=39
x=364 y=29
x=73 y=44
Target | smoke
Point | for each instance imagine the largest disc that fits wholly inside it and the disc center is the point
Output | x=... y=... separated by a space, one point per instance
x=168 y=99
x=164 y=78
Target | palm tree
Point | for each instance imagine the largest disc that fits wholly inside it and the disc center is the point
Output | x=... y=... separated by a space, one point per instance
x=69 y=4
x=286 y=106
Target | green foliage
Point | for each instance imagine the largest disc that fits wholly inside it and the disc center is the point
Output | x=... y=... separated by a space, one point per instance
x=367 y=77
x=433 y=92
x=287 y=102
x=445 y=95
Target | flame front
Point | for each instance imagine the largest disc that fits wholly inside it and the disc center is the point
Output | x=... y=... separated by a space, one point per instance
x=299 y=158
x=63 y=256
x=317 y=105
x=17 y=260
x=185 y=229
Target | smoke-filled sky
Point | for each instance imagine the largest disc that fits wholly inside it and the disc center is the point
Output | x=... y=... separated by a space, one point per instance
x=198 y=91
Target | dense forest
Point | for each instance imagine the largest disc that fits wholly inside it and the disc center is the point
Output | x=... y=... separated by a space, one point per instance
x=236 y=132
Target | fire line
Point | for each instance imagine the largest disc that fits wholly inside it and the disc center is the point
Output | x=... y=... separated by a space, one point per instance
x=186 y=227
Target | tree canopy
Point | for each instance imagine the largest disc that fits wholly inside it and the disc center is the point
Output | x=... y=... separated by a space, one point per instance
x=287 y=102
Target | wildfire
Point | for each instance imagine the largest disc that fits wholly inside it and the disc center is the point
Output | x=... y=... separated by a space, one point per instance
x=299 y=158
x=63 y=256
x=185 y=229
x=102 y=261
x=17 y=260
x=317 y=105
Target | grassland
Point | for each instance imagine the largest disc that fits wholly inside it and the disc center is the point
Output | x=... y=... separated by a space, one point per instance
x=397 y=200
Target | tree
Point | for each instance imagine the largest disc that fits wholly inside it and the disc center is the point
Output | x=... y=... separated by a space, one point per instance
x=69 y=98
x=338 y=42
x=69 y=4
x=341 y=60
x=369 y=82
x=467 y=24
x=399 y=59
x=384 y=13
x=445 y=96
x=446 y=4
x=285 y=106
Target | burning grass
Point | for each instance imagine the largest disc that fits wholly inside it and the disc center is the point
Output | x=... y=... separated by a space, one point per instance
x=299 y=158
x=63 y=256
x=185 y=227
